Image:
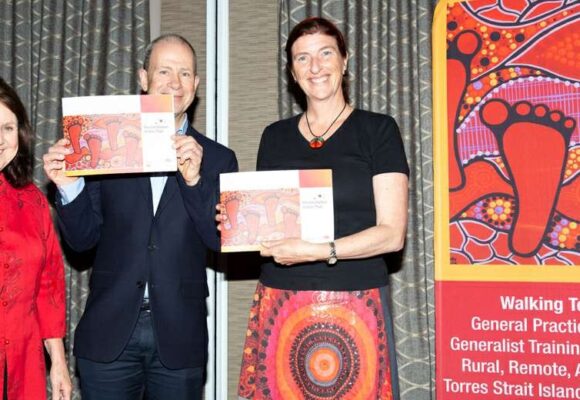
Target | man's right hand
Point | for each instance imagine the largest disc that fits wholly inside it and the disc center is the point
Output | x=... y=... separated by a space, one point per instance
x=54 y=163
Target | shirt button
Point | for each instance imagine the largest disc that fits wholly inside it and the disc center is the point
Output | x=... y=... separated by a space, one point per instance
x=1 y=228
x=7 y=341
x=6 y=265
x=4 y=303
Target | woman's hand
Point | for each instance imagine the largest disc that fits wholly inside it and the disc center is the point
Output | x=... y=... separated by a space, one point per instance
x=59 y=377
x=60 y=381
x=293 y=251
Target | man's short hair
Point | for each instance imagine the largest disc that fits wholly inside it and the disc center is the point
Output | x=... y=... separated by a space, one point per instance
x=168 y=37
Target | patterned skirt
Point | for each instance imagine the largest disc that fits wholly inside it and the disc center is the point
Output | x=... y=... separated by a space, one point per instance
x=319 y=345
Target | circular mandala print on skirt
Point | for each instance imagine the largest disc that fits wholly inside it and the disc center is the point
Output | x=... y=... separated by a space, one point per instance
x=324 y=360
x=321 y=350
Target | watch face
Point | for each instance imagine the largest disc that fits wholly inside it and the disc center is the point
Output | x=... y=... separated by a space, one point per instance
x=332 y=259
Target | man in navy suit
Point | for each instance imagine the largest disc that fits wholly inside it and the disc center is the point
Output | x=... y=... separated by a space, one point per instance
x=143 y=331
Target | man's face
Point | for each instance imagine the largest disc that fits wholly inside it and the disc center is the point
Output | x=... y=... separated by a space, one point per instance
x=171 y=71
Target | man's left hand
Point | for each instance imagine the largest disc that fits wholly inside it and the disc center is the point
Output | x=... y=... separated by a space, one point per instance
x=189 y=155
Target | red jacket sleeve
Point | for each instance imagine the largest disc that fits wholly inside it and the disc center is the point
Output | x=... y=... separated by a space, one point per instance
x=50 y=301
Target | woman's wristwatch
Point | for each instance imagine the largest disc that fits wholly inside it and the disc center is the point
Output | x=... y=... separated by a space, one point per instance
x=332 y=259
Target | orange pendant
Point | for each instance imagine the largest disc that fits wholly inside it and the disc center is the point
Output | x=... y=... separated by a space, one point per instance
x=316 y=143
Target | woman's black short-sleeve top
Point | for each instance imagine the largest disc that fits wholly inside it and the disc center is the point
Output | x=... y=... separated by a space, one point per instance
x=367 y=144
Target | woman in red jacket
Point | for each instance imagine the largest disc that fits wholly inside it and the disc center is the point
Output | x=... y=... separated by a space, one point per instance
x=31 y=269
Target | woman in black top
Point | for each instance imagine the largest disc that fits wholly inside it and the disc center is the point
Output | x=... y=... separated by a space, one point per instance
x=320 y=326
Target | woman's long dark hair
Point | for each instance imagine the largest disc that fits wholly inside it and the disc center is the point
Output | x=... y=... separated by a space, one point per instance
x=19 y=171
x=310 y=26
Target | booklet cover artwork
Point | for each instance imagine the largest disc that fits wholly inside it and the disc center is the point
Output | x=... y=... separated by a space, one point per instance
x=273 y=205
x=119 y=134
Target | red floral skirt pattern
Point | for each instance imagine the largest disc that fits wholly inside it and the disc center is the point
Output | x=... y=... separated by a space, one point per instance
x=316 y=345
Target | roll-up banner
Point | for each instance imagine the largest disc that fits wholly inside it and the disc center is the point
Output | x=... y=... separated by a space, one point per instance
x=507 y=197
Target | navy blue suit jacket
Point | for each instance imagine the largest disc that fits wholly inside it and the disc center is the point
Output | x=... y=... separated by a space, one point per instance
x=168 y=250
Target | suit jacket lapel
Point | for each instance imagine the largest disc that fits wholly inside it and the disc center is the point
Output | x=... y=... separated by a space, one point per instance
x=144 y=183
x=168 y=192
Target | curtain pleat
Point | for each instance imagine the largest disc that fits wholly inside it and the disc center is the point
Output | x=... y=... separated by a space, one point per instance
x=51 y=49
x=389 y=67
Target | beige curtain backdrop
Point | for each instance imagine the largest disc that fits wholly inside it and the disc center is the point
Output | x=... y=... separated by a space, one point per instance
x=389 y=45
x=188 y=18
x=253 y=104
x=67 y=48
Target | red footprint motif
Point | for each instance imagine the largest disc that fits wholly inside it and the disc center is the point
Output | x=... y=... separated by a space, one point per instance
x=291 y=225
x=525 y=50
x=131 y=147
x=73 y=158
x=533 y=142
x=74 y=127
x=74 y=132
x=113 y=133
x=253 y=222
x=95 y=145
x=232 y=207
x=459 y=56
x=271 y=203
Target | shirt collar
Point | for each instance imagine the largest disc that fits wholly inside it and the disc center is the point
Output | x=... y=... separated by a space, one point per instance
x=183 y=129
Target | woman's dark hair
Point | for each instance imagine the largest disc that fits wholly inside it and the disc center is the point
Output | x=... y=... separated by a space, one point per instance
x=310 y=26
x=19 y=171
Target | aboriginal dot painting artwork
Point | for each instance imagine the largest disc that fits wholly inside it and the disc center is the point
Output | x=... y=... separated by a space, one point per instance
x=513 y=106
x=104 y=142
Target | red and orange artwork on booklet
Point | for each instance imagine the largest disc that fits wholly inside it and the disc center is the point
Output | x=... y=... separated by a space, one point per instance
x=271 y=205
x=119 y=134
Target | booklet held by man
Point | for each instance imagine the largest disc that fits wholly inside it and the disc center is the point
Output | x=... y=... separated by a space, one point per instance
x=271 y=205
x=119 y=134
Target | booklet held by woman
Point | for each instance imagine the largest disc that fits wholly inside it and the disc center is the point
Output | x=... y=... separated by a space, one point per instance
x=271 y=205
x=119 y=134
